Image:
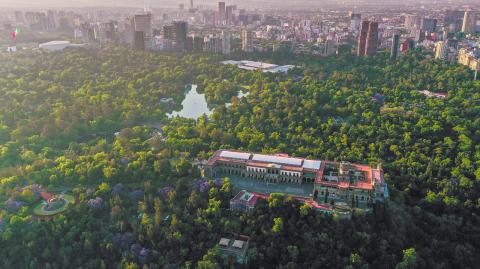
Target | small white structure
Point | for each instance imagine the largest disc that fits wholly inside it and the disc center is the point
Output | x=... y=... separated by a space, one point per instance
x=58 y=45
x=264 y=67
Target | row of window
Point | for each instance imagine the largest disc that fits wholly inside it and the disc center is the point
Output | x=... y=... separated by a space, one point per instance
x=345 y=196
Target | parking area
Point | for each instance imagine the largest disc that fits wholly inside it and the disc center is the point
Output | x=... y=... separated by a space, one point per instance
x=304 y=190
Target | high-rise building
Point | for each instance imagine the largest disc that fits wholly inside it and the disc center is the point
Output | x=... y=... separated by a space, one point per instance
x=105 y=32
x=179 y=35
x=198 y=43
x=418 y=35
x=329 y=47
x=221 y=12
x=247 y=41
x=85 y=32
x=139 y=40
x=226 y=39
x=229 y=14
x=395 y=46
x=51 y=23
x=362 y=38
x=168 y=32
x=19 y=18
x=143 y=23
x=355 y=21
x=453 y=20
x=129 y=31
x=470 y=57
x=36 y=21
x=469 y=22
x=412 y=21
x=213 y=43
x=428 y=24
x=411 y=44
x=372 y=39
x=441 y=50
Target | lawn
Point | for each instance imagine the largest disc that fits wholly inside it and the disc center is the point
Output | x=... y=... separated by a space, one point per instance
x=38 y=209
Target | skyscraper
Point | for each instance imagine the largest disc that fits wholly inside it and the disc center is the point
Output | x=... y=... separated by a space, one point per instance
x=247 y=41
x=226 y=39
x=412 y=21
x=19 y=18
x=368 y=38
x=143 y=23
x=329 y=47
x=51 y=20
x=362 y=38
x=453 y=20
x=469 y=22
x=129 y=31
x=179 y=35
x=198 y=43
x=168 y=32
x=395 y=46
x=355 y=21
x=229 y=14
x=411 y=44
x=428 y=24
x=139 y=40
x=441 y=50
x=372 y=39
x=221 y=12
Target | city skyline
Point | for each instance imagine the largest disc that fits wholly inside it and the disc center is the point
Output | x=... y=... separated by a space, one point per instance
x=12 y=4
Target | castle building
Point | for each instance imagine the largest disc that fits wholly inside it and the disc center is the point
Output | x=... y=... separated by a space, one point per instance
x=333 y=181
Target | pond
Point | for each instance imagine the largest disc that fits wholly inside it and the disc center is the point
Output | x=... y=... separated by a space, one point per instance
x=195 y=104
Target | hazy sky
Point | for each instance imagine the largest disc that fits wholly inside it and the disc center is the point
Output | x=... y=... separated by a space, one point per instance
x=174 y=3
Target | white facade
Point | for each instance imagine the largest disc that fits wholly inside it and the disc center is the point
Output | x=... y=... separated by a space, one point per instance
x=57 y=45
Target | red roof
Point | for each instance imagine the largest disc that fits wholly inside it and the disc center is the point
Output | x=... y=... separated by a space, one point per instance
x=46 y=195
x=292 y=168
x=259 y=164
x=370 y=176
x=252 y=201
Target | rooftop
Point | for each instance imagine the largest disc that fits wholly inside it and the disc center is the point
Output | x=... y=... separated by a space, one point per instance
x=237 y=246
x=328 y=173
x=278 y=161
x=265 y=67
x=250 y=198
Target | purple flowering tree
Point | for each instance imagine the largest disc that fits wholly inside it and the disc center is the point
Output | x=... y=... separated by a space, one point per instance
x=165 y=190
x=117 y=189
x=201 y=185
x=95 y=203
x=144 y=255
x=12 y=205
x=122 y=240
x=135 y=248
x=136 y=195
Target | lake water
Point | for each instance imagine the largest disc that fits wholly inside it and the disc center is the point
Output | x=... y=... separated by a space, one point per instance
x=195 y=104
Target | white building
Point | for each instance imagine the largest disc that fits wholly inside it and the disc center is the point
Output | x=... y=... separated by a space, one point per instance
x=469 y=22
x=441 y=50
x=247 y=41
x=57 y=45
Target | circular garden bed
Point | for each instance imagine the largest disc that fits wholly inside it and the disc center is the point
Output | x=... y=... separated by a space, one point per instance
x=55 y=206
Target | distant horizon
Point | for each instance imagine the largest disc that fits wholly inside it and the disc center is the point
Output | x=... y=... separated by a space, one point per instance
x=58 y=4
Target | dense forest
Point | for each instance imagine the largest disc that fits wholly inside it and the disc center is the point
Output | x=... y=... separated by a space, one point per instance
x=91 y=122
